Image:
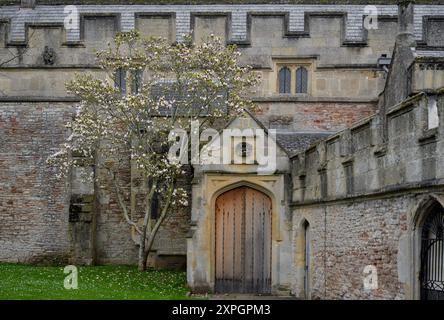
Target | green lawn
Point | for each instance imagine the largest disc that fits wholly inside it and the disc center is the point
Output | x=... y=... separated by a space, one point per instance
x=99 y=282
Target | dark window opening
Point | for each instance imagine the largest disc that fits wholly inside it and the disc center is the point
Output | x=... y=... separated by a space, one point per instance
x=301 y=80
x=306 y=259
x=120 y=80
x=285 y=80
x=137 y=81
x=245 y=149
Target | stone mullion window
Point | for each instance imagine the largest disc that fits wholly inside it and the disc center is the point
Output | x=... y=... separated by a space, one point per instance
x=293 y=79
x=285 y=83
x=136 y=81
x=301 y=80
x=120 y=80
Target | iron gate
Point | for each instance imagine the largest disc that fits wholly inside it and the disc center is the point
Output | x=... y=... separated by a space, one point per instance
x=432 y=257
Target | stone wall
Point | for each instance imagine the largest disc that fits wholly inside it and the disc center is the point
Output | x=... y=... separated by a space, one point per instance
x=358 y=192
x=408 y=157
x=38 y=222
x=312 y=116
x=347 y=237
x=264 y=30
x=45 y=220
x=33 y=202
x=342 y=59
x=116 y=242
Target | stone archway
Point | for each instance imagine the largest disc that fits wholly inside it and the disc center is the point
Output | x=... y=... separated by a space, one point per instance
x=432 y=255
x=201 y=253
x=243 y=224
x=307 y=253
x=302 y=259
x=428 y=249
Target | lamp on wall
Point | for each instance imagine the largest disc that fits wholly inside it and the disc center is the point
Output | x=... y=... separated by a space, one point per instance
x=384 y=62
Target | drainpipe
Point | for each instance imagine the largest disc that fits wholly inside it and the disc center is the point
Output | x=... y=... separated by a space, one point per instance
x=325 y=251
x=405 y=16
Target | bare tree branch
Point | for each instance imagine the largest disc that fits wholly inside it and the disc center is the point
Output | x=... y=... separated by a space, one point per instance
x=17 y=55
x=122 y=202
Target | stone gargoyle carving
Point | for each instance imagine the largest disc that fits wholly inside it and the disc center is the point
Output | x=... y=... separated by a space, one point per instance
x=48 y=56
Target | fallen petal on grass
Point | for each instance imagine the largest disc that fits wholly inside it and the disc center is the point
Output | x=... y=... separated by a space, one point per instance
x=23 y=282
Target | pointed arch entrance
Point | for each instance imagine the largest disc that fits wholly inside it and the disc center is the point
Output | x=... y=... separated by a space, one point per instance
x=432 y=254
x=307 y=240
x=243 y=227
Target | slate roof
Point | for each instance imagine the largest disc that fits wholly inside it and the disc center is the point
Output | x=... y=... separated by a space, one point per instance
x=295 y=142
x=292 y=142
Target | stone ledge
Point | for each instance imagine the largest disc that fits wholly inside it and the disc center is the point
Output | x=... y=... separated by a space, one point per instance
x=409 y=102
x=428 y=136
x=305 y=98
x=18 y=99
x=54 y=66
x=389 y=191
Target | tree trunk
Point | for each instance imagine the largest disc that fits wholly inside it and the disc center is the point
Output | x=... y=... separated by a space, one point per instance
x=158 y=223
x=142 y=233
x=142 y=259
x=151 y=239
x=146 y=222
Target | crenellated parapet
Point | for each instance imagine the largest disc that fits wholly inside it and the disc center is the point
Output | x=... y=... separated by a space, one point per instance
x=359 y=162
x=239 y=18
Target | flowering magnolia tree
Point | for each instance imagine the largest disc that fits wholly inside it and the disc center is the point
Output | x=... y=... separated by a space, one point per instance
x=152 y=87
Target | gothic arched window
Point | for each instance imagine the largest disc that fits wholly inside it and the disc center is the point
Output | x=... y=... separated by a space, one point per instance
x=301 y=80
x=306 y=227
x=285 y=80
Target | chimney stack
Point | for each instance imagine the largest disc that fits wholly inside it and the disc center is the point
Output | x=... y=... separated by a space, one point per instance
x=28 y=4
x=405 y=16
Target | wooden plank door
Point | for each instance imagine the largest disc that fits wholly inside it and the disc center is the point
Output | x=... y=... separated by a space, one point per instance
x=243 y=242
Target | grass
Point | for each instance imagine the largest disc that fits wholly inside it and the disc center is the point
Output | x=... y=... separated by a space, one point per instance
x=23 y=282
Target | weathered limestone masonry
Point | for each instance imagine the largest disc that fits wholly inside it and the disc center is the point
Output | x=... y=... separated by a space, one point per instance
x=359 y=190
x=364 y=216
x=33 y=203
x=38 y=56
x=363 y=191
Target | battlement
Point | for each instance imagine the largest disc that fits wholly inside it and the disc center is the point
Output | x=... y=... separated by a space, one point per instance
x=330 y=39
x=359 y=161
x=238 y=19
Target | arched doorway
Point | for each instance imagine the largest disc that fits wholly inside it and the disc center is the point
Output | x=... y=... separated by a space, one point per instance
x=432 y=254
x=243 y=241
x=306 y=227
